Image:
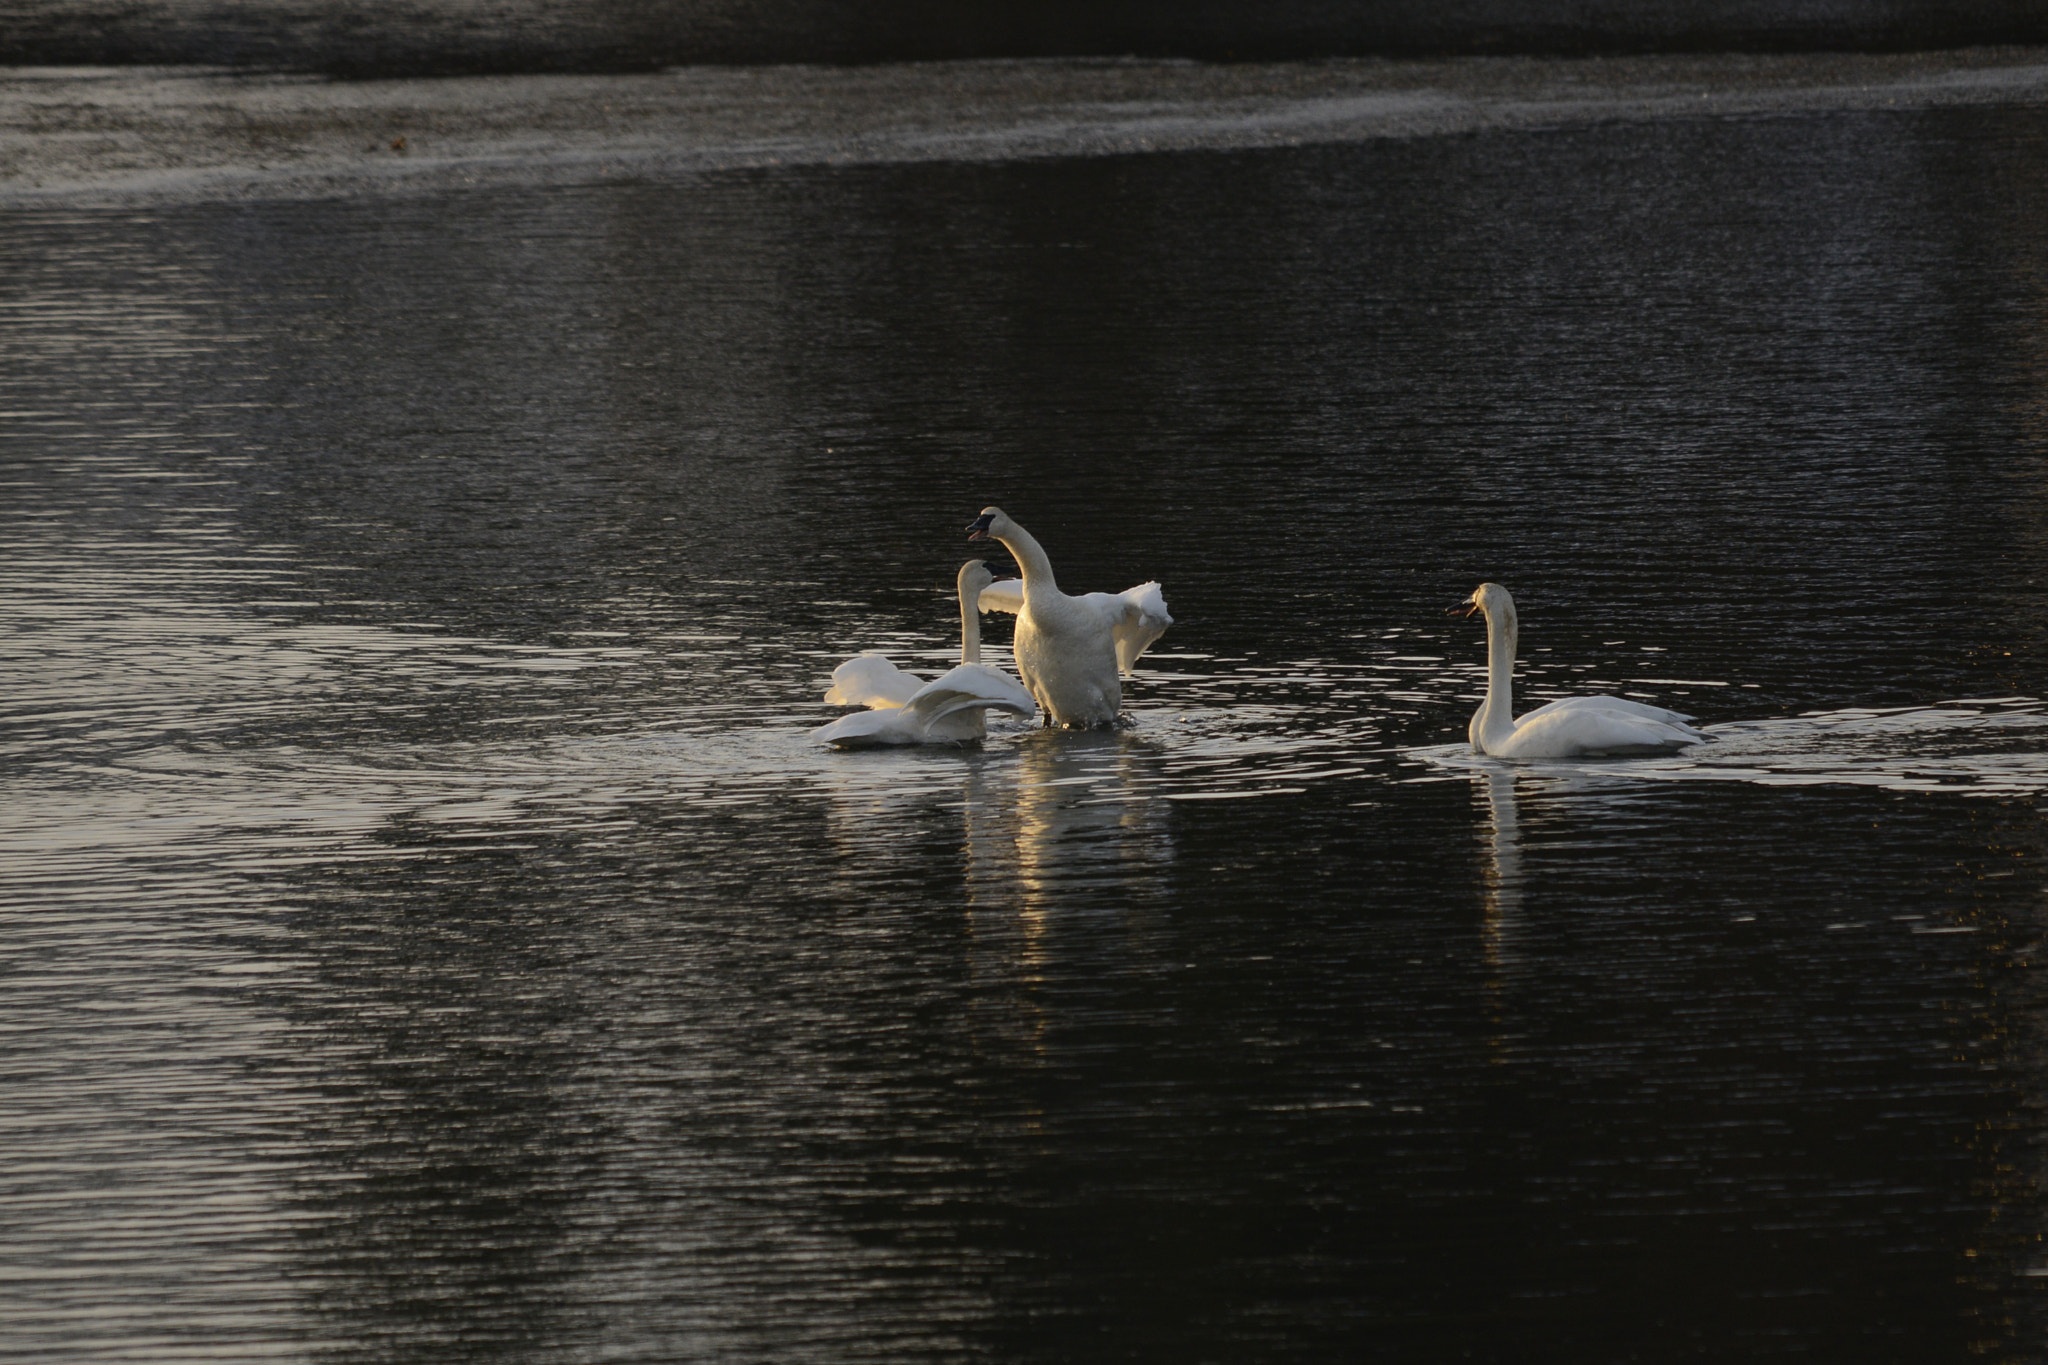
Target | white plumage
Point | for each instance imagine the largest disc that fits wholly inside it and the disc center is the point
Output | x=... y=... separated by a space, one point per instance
x=1576 y=727
x=1070 y=651
x=1138 y=615
x=950 y=709
x=871 y=680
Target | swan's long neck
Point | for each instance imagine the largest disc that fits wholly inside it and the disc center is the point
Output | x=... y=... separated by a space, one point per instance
x=1495 y=719
x=970 y=624
x=1030 y=558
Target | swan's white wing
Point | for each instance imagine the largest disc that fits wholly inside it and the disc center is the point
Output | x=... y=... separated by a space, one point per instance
x=871 y=680
x=1572 y=732
x=947 y=710
x=970 y=686
x=1005 y=594
x=868 y=729
x=1136 y=617
x=1633 y=708
x=1144 y=620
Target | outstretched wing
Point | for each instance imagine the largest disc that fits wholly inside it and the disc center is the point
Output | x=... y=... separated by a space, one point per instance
x=967 y=687
x=871 y=680
x=1137 y=616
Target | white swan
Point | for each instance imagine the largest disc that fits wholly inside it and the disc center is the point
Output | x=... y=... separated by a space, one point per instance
x=1140 y=619
x=950 y=709
x=1577 y=727
x=1070 y=650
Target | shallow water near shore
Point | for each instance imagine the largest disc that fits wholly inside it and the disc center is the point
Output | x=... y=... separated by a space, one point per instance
x=431 y=933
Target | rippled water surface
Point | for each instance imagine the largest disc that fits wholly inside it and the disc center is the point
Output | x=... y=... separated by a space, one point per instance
x=430 y=933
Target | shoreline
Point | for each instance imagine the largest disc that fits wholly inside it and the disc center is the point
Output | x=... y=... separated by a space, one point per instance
x=110 y=137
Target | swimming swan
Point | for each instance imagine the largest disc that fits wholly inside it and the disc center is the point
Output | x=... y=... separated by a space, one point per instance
x=950 y=709
x=1577 y=727
x=1070 y=650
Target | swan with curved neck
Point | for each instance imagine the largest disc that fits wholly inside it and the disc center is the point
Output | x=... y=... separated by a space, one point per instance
x=1071 y=651
x=1576 y=727
x=950 y=709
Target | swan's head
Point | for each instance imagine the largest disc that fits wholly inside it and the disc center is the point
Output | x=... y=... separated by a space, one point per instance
x=990 y=523
x=1492 y=600
x=974 y=576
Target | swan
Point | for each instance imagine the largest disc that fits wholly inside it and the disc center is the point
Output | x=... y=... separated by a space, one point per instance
x=1140 y=612
x=1071 y=651
x=950 y=709
x=1577 y=727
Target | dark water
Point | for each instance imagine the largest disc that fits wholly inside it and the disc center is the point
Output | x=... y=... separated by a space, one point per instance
x=429 y=935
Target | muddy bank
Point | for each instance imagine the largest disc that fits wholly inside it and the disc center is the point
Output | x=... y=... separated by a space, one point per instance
x=132 y=135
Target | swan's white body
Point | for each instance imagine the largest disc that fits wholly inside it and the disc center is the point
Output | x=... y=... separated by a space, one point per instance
x=1138 y=615
x=950 y=709
x=1576 y=727
x=1071 y=650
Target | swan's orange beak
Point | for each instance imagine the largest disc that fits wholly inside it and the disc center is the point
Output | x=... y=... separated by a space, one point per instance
x=1464 y=608
x=978 y=528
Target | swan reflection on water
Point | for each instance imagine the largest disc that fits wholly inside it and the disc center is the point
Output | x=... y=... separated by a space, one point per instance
x=1085 y=823
x=1065 y=850
x=1048 y=820
x=1060 y=851
x=1995 y=747
x=1503 y=874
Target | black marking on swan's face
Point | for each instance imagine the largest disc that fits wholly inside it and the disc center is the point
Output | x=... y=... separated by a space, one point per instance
x=978 y=528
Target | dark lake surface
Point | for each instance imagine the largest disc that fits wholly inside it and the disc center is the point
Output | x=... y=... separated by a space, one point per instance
x=428 y=934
